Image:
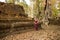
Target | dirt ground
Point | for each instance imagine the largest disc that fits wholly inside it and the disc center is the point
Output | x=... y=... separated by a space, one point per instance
x=49 y=33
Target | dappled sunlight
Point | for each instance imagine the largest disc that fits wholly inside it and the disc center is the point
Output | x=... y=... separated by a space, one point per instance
x=29 y=19
x=28 y=2
x=2 y=0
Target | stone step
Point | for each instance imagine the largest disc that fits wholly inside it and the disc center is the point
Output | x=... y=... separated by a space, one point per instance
x=6 y=32
x=15 y=24
x=15 y=20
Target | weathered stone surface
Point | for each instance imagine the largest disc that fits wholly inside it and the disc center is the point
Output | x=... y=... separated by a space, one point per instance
x=52 y=33
x=11 y=10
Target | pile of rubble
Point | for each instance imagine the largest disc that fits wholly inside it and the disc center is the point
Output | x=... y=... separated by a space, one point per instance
x=11 y=10
x=35 y=35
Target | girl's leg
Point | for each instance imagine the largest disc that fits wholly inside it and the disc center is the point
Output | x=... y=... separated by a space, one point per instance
x=36 y=26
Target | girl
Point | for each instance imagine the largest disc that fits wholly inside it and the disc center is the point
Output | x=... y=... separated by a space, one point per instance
x=36 y=24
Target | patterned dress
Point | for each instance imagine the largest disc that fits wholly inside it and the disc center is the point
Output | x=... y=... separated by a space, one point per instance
x=36 y=24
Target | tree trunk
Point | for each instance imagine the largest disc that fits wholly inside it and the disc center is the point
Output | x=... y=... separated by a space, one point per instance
x=45 y=17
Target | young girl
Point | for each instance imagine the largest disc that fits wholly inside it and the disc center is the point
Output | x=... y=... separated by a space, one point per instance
x=36 y=24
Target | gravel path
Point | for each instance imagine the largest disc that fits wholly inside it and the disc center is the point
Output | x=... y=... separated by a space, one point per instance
x=51 y=33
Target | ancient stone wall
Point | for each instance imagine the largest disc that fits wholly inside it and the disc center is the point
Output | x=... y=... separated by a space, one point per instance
x=11 y=10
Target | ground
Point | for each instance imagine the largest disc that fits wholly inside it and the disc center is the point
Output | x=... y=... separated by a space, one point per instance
x=49 y=33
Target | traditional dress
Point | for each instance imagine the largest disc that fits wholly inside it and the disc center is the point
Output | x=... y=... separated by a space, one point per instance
x=36 y=24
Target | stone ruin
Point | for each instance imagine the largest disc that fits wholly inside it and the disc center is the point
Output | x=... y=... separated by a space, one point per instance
x=11 y=10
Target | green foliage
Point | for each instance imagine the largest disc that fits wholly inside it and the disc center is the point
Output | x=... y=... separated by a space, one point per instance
x=10 y=1
x=59 y=7
x=54 y=11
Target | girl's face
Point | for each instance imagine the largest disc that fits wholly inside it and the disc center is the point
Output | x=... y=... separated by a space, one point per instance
x=35 y=19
